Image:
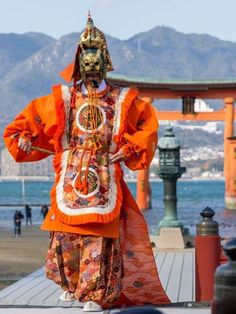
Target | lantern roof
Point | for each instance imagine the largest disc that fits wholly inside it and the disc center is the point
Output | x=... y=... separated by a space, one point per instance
x=168 y=141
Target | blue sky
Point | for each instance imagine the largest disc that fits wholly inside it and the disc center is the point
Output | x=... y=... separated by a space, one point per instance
x=119 y=18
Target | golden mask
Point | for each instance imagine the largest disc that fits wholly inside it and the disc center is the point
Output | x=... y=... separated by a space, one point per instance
x=91 y=62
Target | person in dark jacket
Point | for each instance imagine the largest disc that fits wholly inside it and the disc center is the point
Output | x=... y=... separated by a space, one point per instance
x=28 y=214
x=18 y=216
x=44 y=211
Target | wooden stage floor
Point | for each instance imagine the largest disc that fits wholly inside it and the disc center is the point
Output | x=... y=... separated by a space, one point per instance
x=176 y=271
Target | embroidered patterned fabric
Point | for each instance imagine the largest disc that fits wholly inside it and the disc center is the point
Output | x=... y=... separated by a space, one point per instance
x=141 y=283
x=90 y=267
x=97 y=180
x=88 y=185
x=87 y=176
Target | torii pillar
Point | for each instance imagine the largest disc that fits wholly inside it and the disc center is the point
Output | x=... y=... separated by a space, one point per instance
x=230 y=155
x=144 y=199
x=144 y=192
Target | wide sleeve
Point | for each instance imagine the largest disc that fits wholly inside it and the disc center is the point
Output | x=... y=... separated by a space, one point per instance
x=36 y=122
x=141 y=135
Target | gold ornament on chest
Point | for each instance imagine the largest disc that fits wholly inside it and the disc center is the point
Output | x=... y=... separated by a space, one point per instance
x=90 y=118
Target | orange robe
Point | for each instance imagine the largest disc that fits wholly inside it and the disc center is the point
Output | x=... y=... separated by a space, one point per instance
x=134 y=127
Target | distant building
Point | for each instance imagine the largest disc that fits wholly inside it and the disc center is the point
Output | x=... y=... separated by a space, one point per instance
x=10 y=168
x=210 y=127
x=201 y=106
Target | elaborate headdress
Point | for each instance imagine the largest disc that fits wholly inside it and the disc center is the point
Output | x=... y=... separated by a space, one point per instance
x=92 y=41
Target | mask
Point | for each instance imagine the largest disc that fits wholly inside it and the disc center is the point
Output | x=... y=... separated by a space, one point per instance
x=92 y=62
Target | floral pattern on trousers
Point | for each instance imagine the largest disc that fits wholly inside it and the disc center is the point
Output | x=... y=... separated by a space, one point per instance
x=89 y=266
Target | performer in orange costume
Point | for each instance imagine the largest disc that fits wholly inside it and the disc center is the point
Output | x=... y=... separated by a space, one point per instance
x=99 y=250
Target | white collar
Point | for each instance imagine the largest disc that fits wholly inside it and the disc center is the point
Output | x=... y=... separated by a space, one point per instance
x=100 y=88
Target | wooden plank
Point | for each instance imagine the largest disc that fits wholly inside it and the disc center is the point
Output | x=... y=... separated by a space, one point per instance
x=25 y=298
x=53 y=299
x=38 y=298
x=75 y=303
x=187 y=282
x=64 y=304
x=160 y=258
x=10 y=298
x=193 y=272
x=53 y=296
x=164 y=272
x=17 y=285
x=173 y=284
x=36 y=290
x=69 y=304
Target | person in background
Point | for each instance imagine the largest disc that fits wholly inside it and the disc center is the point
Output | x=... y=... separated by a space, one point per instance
x=44 y=211
x=28 y=215
x=99 y=250
x=18 y=216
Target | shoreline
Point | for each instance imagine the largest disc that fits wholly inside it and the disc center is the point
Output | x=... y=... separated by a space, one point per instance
x=26 y=178
x=50 y=179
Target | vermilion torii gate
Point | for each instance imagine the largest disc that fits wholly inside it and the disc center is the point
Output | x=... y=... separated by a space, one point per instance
x=184 y=89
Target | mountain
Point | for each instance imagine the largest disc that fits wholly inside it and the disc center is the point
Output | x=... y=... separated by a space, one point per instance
x=30 y=63
x=166 y=53
x=15 y=48
x=35 y=75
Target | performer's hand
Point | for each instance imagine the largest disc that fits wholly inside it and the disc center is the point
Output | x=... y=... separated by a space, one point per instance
x=25 y=144
x=121 y=155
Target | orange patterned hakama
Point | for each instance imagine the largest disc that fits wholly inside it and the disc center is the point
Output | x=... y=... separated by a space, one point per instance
x=91 y=267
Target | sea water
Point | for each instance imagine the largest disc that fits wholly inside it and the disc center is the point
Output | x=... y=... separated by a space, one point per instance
x=193 y=197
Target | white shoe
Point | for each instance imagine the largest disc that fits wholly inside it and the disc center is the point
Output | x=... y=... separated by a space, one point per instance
x=67 y=296
x=91 y=306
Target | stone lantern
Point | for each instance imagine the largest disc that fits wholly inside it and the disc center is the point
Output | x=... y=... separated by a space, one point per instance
x=170 y=171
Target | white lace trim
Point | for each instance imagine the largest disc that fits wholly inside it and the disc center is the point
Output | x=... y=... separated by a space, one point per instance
x=66 y=98
x=118 y=109
x=84 y=210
